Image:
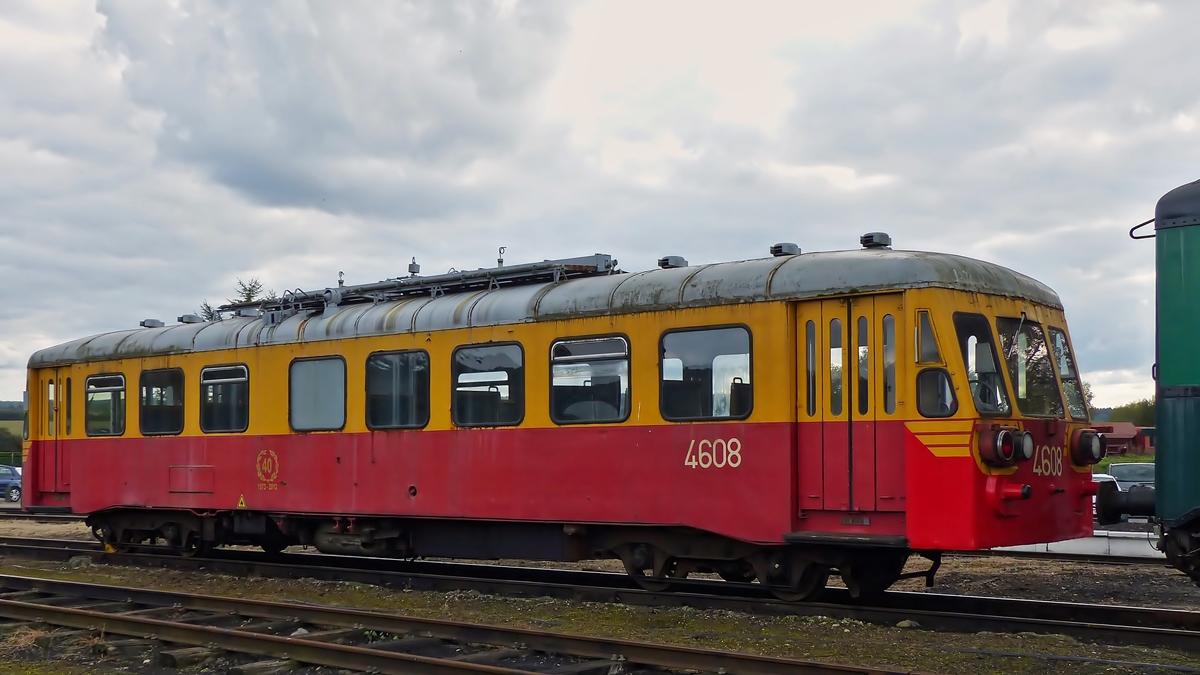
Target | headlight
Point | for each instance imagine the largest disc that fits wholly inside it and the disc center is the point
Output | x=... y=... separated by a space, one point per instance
x=1004 y=446
x=1087 y=447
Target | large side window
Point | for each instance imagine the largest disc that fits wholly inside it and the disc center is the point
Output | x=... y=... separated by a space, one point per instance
x=979 y=355
x=706 y=374
x=1030 y=367
x=317 y=394
x=589 y=380
x=489 y=386
x=398 y=390
x=104 y=409
x=1076 y=403
x=224 y=399
x=161 y=409
x=68 y=405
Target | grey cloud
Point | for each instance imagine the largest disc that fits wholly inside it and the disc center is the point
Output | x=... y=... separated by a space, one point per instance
x=345 y=106
x=182 y=148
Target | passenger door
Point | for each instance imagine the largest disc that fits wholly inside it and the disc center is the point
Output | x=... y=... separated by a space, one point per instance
x=850 y=435
x=47 y=456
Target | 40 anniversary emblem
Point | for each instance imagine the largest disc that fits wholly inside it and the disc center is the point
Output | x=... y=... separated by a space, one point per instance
x=267 y=467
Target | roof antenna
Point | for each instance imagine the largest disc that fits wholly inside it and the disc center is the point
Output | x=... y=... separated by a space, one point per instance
x=341 y=277
x=500 y=257
x=413 y=267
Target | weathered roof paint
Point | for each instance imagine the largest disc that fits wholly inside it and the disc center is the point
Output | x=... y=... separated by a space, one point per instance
x=784 y=278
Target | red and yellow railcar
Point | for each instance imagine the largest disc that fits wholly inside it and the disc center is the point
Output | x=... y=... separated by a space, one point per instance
x=776 y=419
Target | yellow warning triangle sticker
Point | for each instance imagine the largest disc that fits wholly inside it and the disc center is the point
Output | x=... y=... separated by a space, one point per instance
x=242 y=502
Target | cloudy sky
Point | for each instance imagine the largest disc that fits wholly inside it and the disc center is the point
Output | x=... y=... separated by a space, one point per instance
x=151 y=152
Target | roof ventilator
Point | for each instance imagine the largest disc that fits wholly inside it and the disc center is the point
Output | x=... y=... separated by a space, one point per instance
x=875 y=240
x=672 y=261
x=785 y=248
x=275 y=310
x=190 y=318
x=151 y=323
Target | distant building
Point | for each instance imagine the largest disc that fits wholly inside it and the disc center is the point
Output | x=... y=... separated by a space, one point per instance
x=1123 y=438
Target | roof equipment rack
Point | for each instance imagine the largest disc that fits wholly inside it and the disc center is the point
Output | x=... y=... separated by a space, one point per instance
x=275 y=310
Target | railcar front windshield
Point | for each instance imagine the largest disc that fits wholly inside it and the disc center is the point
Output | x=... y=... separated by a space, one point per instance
x=979 y=354
x=1029 y=367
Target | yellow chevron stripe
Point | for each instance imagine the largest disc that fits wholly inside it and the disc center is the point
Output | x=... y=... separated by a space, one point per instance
x=944 y=438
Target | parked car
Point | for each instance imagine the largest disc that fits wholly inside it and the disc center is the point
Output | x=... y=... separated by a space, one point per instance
x=1101 y=478
x=1132 y=473
x=10 y=483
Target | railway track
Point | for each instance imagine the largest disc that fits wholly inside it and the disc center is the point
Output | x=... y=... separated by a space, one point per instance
x=1097 y=559
x=257 y=637
x=1178 y=629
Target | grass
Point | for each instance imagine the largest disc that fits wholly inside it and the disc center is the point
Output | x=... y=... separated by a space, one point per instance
x=1102 y=467
x=12 y=425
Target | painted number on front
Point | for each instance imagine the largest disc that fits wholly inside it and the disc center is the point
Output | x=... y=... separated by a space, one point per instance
x=1048 y=461
x=716 y=454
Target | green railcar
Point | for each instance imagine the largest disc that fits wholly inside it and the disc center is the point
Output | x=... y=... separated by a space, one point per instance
x=1174 y=501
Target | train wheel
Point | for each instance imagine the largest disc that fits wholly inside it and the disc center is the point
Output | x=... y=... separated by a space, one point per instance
x=195 y=546
x=872 y=574
x=124 y=543
x=741 y=574
x=807 y=582
x=661 y=566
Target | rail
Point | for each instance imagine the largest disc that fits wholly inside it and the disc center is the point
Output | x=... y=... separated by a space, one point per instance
x=291 y=634
x=1154 y=627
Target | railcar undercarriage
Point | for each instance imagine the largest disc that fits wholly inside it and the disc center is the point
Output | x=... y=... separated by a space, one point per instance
x=656 y=557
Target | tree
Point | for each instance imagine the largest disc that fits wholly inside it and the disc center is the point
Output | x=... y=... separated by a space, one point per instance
x=9 y=443
x=1088 y=395
x=246 y=291
x=1140 y=413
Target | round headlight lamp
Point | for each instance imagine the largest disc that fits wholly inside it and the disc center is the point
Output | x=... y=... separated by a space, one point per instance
x=1087 y=447
x=1002 y=447
x=1027 y=446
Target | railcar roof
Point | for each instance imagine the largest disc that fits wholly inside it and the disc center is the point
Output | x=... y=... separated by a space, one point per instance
x=779 y=278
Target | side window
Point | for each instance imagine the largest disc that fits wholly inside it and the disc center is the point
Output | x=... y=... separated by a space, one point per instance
x=864 y=365
x=706 y=374
x=5 y=471
x=104 y=409
x=224 y=399
x=161 y=410
x=398 y=390
x=589 y=380
x=979 y=355
x=489 y=386
x=810 y=366
x=50 y=431
x=1076 y=403
x=889 y=364
x=317 y=394
x=935 y=394
x=68 y=404
x=835 y=366
x=927 y=349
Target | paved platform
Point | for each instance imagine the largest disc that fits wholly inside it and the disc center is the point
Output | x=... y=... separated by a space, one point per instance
x=1103 y=542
